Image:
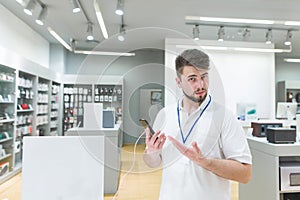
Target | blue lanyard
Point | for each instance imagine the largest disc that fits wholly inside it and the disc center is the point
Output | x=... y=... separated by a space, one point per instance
x=191 y=129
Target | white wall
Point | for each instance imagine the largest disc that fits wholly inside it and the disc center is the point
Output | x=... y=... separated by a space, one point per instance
x=18 y=37
x=236 y=77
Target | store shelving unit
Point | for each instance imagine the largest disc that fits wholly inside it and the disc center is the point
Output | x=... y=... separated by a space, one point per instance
x=25 y=111
x=7 y=119
x=111 y=98
x=75 y=95
x=28 y=96
x=107 y=90
x=42 y=107
x=55 y=105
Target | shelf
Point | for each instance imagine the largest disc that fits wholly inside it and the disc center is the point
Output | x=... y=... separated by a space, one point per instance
x=6 y=156
x=288 y=191
x=24 y=124
x=42 y=124
x=5 y=140
x=7 y=121
x=7 y=102
x=41 y=102
x=6 y=81
x=10 y=174
x=25 y=87
x=22 y=111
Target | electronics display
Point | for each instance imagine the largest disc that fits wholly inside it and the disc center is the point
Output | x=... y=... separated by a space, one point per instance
x=111 y=98
x=74 y=98
x=260 y=127
x=286 y=110
x=54 y=109
x=42 y=108
x=7 y=118
x=281 y=135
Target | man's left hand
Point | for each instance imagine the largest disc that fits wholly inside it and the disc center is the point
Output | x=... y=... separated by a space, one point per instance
x=193 y=153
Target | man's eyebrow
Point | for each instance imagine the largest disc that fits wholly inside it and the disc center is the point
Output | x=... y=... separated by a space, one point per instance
x=191 y=75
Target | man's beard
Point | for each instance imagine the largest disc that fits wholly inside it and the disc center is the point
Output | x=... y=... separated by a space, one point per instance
x=195 y=99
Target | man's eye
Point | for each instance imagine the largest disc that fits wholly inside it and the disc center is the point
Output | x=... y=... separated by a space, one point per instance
x=191 y=79
x=204 y=76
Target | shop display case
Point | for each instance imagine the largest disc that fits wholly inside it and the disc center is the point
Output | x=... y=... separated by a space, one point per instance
x=26 y=86
x=111 y=98
x=42 y=107
x=7 y=119
x=55 y=111
x=75 y=95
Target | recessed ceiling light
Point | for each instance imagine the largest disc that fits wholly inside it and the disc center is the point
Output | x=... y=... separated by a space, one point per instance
x=294 y=60
x=229 y=20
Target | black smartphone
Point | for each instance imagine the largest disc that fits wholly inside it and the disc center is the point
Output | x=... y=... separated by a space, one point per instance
x=145 y=125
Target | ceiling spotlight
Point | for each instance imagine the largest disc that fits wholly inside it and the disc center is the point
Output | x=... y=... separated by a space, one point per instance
x=288 y=38
x=196 y=32
x=90 y=32
x=221 y=34
x=21 y=2
x=30 y=7
x=42 y=16
x=120 y=7
x=121 y=36
x=76 y=6
x=294 y=60
x=73 y=44
x=269 y=36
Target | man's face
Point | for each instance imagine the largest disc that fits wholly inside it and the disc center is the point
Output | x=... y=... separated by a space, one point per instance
x=194 y=83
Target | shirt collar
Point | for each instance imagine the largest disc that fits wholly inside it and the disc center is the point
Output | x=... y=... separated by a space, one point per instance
x=201 y=107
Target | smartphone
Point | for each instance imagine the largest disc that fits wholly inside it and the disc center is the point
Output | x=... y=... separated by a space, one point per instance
x=145 y=124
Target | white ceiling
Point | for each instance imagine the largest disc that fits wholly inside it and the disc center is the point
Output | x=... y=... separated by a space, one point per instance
x=147 y=22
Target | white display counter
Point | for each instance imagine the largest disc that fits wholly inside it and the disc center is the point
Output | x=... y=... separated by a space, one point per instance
x=267 y=157
x=112 y=143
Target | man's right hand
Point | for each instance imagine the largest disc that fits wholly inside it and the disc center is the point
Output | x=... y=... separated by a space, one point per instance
x=156 y=142
x=152 y=154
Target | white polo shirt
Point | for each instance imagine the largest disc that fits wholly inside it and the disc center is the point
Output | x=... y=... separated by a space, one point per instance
x=218 y=135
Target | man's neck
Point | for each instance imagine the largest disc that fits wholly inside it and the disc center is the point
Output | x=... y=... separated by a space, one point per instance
x=189 y=105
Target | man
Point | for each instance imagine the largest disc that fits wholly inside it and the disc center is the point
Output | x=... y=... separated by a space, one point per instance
x=200 y=144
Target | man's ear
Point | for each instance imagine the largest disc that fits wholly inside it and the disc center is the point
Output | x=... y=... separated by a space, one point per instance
x=178 y=81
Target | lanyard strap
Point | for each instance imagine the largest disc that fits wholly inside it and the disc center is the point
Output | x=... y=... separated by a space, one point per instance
x=191 y=129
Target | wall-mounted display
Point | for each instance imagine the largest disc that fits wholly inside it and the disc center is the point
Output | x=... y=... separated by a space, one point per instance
x=7 y=119
x=111 y=98
x=74 y=98
x=54 y=113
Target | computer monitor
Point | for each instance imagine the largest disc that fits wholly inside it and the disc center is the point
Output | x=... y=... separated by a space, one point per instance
x=286 y=110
